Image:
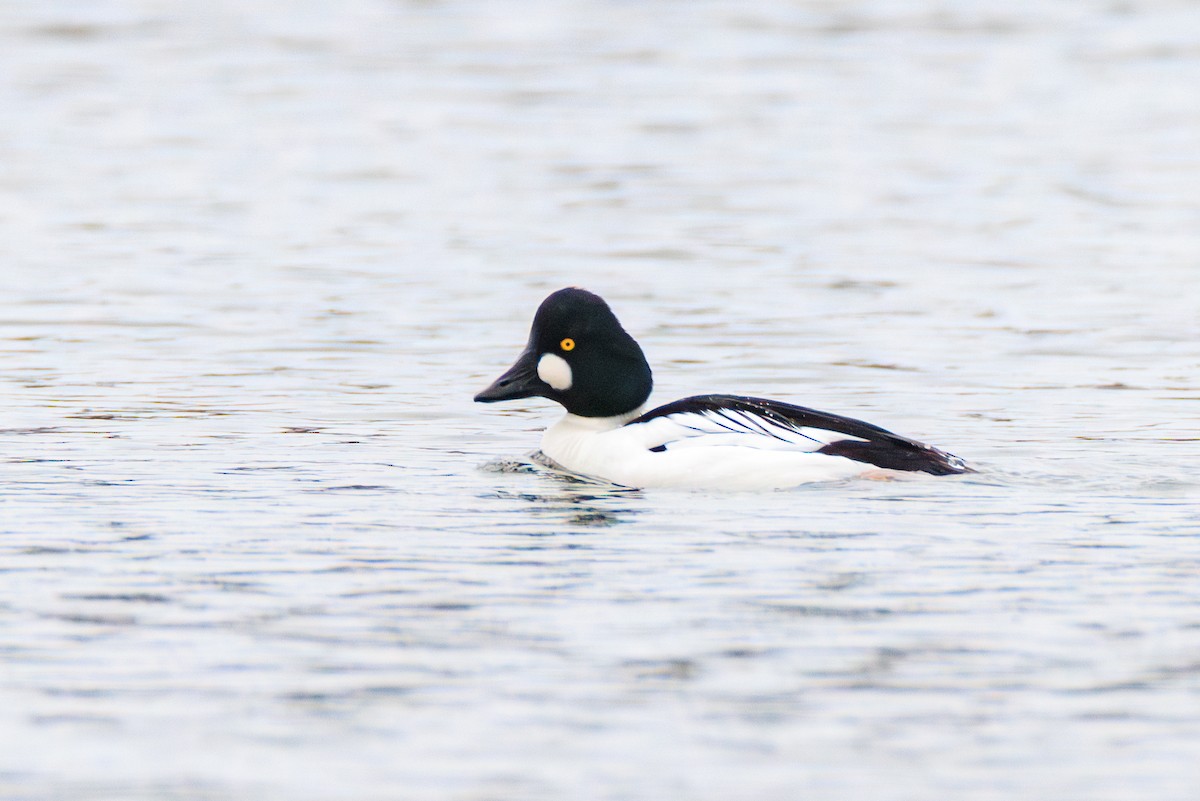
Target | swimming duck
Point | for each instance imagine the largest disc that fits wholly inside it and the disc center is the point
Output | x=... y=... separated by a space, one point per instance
x=580 y=356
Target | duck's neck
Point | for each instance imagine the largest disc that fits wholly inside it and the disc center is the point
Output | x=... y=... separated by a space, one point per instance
x=598 y=423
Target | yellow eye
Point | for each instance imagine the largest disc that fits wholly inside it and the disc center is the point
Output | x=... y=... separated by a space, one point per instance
x=567 y=344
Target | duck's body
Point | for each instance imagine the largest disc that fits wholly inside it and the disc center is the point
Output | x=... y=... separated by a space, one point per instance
x=579 y=356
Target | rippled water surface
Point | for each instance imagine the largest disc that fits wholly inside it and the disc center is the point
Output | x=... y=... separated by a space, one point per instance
x=257 y=542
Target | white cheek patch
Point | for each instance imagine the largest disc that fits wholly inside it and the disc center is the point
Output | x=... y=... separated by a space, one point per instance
x=555 y=371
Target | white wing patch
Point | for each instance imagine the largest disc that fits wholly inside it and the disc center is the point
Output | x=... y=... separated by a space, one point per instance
x=717 y=427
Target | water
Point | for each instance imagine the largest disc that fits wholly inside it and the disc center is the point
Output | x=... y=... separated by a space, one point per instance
x=258 y=543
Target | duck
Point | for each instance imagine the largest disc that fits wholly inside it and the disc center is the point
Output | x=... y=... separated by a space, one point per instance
x=579 y=356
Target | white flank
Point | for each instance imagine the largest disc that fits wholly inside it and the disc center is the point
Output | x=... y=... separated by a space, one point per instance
x=604 y=448
x=555 y=371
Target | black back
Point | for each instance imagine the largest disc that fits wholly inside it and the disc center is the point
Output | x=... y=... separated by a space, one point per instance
x=875 y=445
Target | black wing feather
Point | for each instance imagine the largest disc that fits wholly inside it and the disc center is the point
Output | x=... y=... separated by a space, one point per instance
x=873 y=445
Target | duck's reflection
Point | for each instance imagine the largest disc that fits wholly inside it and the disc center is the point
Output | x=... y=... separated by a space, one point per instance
x=570 y=497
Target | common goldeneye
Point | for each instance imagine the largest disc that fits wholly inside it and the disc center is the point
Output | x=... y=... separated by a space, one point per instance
x=578 y=355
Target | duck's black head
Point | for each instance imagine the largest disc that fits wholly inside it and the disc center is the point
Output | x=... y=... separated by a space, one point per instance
x=577 y=355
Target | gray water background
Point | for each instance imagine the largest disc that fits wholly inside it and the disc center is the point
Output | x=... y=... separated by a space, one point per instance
x=256 y=542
